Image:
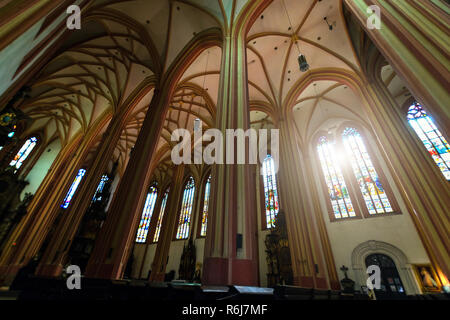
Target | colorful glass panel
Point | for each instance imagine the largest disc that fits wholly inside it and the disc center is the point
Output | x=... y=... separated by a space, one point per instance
x=160 y=217
x=147 y=213
x=270 y=191
x=372 y=190
x=337 y=189
x=186 y=210
x=205 y=208
x=431 y=137
x=23 y=153
x=101 y=185
x=73 y=188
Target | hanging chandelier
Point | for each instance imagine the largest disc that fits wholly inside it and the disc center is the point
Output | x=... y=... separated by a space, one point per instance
x=303 y=64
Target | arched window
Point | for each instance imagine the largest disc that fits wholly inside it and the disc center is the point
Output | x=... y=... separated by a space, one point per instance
x=73 y=188
x=186 y=210
x=23 y=153
x=161 y=215
x=341 y=203
x=270 y=191
x=147 y=213
x=367 y=177
x=205 y=208
x=101 y=185
x=390 y=279
x=431 y=137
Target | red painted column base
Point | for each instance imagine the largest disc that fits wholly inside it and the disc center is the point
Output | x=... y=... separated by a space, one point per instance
x=8 y=274
x=216 y=271
x=49 y=271
x=304 y=282
x=159 y=277
x=321 y=283
x=103 y=271
x=335 y=285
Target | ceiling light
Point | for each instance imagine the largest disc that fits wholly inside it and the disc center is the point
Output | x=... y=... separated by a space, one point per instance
x=304 y=66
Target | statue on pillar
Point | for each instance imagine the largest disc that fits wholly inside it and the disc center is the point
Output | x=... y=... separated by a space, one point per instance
x=278 y=254
x=188 y=260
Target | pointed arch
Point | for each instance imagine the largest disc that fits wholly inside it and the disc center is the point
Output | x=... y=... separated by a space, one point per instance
x=185 y=216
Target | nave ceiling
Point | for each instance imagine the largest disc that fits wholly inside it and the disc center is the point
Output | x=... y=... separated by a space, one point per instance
x=125 y=47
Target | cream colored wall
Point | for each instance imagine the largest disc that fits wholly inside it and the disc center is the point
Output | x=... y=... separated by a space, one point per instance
x=12 y=56
x=397 y=230
x=40 y=169
x=176 y=249
x=139 y=252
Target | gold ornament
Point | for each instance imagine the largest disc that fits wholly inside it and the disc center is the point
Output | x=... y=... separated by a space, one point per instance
x=6 y=119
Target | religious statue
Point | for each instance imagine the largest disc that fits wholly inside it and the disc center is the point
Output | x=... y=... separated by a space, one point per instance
x=348 y=284
x=278 y=254
x=187 y=263
x=198 y=273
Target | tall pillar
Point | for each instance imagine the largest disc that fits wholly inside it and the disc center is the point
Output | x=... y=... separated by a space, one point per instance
x=306 y=250
x=414 y=39
x=54 y=258
x=168 y=226
x=232 y=212
x=424 y=189
x=322 y=229
x=115 y=239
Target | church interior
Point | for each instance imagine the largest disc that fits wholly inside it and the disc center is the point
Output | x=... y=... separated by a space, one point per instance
x=350 y=201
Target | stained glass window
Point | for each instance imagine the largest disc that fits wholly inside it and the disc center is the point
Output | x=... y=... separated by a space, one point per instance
x=23 y=153
x=371 y=188
x=270 y=191
x=337 y=189
x=147 y=213
x=205 y=208
x=431 y=137
x=186 y=210
x=101 y=185
x=161 y=215
x=73 y=188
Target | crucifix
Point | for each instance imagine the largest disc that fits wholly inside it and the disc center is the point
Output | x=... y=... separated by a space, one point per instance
x=344 y=269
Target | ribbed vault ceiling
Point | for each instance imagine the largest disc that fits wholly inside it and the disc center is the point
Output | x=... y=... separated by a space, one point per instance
x=126 y=45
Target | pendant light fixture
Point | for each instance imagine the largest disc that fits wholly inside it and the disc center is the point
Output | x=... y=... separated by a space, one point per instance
x=302 y=62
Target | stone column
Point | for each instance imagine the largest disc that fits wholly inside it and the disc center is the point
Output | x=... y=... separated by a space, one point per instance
x=306 y=251
x=116 y=238
x=53 y=261
x=232 y=210
x=322 y=229
x=414 y=39
x=423 y=188
x=168 y=226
